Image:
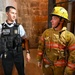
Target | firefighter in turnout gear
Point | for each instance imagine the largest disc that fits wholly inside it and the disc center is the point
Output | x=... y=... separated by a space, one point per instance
x=56 y=49
x=11 y=37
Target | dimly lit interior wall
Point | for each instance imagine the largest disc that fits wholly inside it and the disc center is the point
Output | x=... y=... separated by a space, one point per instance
x=11 y=3
x=33 y=15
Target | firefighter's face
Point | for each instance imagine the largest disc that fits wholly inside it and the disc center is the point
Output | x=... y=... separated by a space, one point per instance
x=11 y=15
x=55 y=21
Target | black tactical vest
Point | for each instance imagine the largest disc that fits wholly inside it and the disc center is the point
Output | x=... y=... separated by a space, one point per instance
x=11 y=37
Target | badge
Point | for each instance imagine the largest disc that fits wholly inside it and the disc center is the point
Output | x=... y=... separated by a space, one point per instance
x=5 y=55
x=15 y=31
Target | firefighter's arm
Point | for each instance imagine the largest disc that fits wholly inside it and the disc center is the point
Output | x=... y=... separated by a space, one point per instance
x=71 y=64
x=40 y=51
x=27 y=49
x=70 y=68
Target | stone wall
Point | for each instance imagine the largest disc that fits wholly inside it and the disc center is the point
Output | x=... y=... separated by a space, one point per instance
x=2 y=12
x=63 y=3
x=33 y=15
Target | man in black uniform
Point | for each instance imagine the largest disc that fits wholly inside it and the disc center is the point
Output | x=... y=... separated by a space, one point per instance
x=11 y=37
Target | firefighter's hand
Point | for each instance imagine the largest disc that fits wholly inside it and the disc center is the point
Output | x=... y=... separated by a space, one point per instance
x=39 y=64
x=28 y=57
x=65 y=73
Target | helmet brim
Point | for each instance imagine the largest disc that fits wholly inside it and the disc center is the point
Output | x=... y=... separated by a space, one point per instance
x=67 y=20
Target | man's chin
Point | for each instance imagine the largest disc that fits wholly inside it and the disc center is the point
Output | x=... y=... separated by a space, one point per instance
x=13 y=20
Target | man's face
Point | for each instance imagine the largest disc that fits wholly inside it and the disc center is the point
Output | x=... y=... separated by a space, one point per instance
x=55 y=20
x=11 y=15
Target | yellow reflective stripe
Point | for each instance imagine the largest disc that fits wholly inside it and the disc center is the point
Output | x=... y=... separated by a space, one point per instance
x=46 y=61
x=54 y=45
x=40 y=53
x=60 y=63
x=72 y=47
x=71 y=65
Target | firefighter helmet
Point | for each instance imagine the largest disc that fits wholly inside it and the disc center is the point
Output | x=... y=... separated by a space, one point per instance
x=61 y=12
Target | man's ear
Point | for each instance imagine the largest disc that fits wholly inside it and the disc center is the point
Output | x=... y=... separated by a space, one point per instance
x=62 y=20
x=6 y=13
